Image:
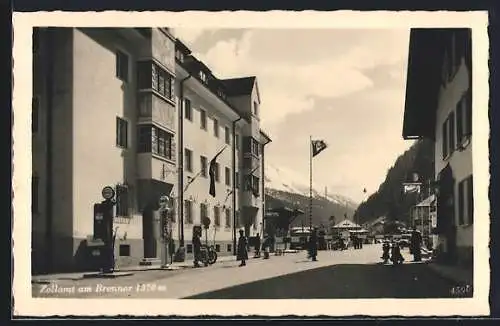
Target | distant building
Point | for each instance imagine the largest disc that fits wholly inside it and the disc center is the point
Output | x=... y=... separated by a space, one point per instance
x=424 y=219
x=439 y=107
x=131 y=108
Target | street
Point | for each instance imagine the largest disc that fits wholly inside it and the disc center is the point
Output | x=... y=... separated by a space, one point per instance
x=336 y=274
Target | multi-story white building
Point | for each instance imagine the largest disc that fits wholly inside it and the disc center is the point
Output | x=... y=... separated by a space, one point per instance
x=439 y=106
x=106 y=113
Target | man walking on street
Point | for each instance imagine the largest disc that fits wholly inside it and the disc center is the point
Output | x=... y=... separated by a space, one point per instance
x=313 y=244
x=196 y=247
x=242 y=253
x=257 y=246
x=416 y=245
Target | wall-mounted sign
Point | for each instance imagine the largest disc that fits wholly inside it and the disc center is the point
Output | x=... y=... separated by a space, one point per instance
x=108 y=192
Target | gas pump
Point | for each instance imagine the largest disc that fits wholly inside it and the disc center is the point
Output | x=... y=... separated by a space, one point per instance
x=103 y=230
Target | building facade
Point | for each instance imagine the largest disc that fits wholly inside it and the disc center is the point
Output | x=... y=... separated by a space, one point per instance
x=439 y=106
x=120 y=107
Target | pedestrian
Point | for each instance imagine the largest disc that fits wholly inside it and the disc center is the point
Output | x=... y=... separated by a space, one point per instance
x=416 y=245
x=257 y=246
x=196 y=247
x=242 y=249
x=313 y=245
x=266 y=244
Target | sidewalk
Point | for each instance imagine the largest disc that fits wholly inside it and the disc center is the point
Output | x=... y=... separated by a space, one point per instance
x=124 y=271
x=456 y=273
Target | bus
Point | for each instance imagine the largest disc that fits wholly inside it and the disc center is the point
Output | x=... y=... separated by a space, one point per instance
x=299 y=237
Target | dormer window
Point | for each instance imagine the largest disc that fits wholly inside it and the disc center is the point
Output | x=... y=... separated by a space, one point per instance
x=203 y=76
x=179 y=55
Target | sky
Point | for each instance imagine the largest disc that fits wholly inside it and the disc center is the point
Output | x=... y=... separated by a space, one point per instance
x=343 y=86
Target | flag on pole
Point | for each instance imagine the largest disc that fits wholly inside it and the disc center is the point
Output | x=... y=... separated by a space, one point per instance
x=212 y=170
x=318 y=146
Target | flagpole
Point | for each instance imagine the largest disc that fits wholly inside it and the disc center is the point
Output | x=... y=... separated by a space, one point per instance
x=310 y=182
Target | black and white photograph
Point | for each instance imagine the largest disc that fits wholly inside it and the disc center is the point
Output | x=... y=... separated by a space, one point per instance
x=279 y=155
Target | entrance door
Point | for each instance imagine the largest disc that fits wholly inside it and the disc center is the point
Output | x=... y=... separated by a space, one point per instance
x=148 y=233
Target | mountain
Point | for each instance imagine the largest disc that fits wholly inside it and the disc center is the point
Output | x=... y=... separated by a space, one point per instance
x=390 y=200
x=287 y=188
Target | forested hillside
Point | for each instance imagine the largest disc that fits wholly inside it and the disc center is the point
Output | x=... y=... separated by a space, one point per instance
x=390 y=199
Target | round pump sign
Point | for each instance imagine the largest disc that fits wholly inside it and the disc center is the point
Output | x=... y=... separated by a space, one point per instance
x=108 y=192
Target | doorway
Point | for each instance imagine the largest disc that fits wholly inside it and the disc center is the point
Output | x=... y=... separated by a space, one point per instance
x=148 y=227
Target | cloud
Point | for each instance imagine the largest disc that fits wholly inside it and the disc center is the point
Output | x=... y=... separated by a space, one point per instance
x=345 y=86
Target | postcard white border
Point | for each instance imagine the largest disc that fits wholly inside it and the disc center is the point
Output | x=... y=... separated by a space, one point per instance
x=22 y=56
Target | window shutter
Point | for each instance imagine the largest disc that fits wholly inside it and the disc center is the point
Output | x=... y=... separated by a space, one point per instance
x=470 y=200
x=444 y=143
x=451 y=132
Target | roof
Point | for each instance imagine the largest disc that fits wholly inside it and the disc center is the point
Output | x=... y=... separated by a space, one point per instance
x=346 y=224
x=378 y=220
x=267 y=139
x=429 y=201
x=239 y=86
x=426 y=52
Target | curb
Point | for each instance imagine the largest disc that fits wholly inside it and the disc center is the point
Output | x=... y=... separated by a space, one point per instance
x=107 y=275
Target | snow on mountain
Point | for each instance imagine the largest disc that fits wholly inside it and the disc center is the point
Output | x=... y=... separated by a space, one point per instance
x=283 y=179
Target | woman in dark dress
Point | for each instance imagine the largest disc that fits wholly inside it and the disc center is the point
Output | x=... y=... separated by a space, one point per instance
x=242 y=249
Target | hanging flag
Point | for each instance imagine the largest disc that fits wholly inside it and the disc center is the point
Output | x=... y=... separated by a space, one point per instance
x=212 y=171
x=318 y=146
x=411 y=188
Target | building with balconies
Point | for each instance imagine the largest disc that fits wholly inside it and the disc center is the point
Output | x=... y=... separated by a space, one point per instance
x=130 y=108
x=219 y=115
x=438 y=106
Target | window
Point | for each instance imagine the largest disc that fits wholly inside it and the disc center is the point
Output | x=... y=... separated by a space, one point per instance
x=444 y=144
x=203 y=76
x=228 y=176
x=228 y=218
x=217 y=172
x=188 y=110
x=237 y=219
x=229 y=248
x=255 y=147
x=121 y=132
x=217 y=248
x=465 y=202
x=203 y=163
x=122 y=203
x=188 y=157
x=34 y=194
x=122 y=66
x=251 y=145
x=152 y=139
x=256 y=186
x=188 y=211
x=216 y=128
x=189 y=248
x=237 y=141
x=152 y=76
x=179 y=56
x=216 y=215
x=124 y=250
x=255 y=108
x=203 y=119
x=237 y=180
x=227 y=135
x=464 y=118
x=203 y=211
x=34 y=114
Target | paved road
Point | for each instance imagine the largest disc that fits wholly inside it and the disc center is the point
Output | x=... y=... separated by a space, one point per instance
x=347 y=274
